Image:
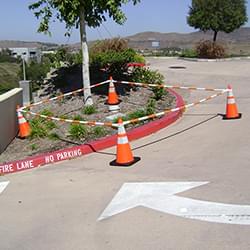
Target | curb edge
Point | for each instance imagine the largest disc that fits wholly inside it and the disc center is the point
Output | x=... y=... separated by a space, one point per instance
x=94 y=146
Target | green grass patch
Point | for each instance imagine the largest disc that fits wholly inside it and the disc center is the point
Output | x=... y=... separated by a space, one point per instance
x=41 y=127
x=34 y=146
x=78 y=118
x=89 y=110
x=99 y=131
x=77 y=131
x=53 y=136
x=8 y=76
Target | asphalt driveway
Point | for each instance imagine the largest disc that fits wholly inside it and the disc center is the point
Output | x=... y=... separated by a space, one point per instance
x=58 y=206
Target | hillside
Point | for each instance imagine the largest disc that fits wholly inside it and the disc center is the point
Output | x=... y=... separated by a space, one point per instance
x=237 y=41
x=25 y=44
x=8 y=76
x=240 y=35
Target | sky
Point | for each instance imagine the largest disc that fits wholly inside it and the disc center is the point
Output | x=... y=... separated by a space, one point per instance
x=17 y=22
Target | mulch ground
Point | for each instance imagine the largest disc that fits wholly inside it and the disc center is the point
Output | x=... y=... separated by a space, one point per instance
x=72 y=106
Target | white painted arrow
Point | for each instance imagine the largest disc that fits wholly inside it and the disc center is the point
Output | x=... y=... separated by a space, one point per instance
x=3 y=185
x=161 y=196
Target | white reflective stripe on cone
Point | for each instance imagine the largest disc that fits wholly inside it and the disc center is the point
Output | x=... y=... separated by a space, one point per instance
x=21 y=120
x=121 y=130
x=111 y=86
x=231 y=101
x=122 y=140
x=230 y=93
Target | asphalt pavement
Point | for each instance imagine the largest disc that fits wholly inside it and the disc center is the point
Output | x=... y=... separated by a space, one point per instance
x=58 y=206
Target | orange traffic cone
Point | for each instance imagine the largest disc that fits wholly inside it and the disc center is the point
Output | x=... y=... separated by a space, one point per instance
x=113 y=100
x=124 y=156
x=24 y=127
x=231 y=110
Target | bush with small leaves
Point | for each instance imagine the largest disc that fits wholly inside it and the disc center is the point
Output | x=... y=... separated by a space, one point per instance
x=210 y=50
x=148 y=76
x=151 y=106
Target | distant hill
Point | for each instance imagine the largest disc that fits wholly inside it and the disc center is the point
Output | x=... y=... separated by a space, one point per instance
x=25 y=44
x=238 y=39
x=238 y=42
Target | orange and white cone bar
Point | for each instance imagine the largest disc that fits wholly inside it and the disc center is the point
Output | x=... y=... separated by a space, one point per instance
x=113 y=100
x=124 y=156
x=24 y=127
x=231 y=109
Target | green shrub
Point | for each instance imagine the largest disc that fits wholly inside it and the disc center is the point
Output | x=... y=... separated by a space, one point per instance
x=64 y=116
x=145 y=75
x=99 y=131
x=189 y=53
x=159 y=92
x=151 y=106
x=34 y=146
x=210 y=50
x=136 y=114
x=133 y=115
x=47 y=123
x=50 y=125
x=5 y=56
x=38 y=129
x=53 y=136
x=89 y=110
x=78 y=131
x=115 y=44
x=111 y=58
x=78 y=118
x=35 y=72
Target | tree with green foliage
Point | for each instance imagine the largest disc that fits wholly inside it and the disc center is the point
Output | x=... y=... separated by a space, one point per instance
x=6 y=56
x=217 y=15
x=79 y=13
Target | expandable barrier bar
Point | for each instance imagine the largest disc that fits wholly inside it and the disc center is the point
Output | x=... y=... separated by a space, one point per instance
x=22 y=109
x=168 y=86
x=184 y=107
x=110 y=124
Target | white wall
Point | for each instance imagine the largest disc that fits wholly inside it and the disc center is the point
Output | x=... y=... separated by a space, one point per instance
x=8 y=117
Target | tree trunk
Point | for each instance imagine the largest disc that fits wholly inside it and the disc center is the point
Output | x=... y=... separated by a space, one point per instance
x=215 y=36
x=85 y=61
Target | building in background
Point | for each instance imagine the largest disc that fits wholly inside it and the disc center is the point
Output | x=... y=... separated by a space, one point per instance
x=27 y=54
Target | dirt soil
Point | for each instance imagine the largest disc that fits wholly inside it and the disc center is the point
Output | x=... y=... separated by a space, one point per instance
x=72 y=106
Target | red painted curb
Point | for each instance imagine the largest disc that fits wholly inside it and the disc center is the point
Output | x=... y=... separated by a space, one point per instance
x=76 y=151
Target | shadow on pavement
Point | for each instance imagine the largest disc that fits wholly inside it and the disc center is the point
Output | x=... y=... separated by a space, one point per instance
x=180 y=132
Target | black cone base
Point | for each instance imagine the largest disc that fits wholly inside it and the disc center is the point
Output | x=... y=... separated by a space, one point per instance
x=235 y=118
x=114 y=163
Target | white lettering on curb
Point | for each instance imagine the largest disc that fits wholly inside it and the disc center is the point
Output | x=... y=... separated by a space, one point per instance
x=6 y=168
x=68 y=154
x=49 y=159
x=10 y=168
x=22 y=165
x=25 y=165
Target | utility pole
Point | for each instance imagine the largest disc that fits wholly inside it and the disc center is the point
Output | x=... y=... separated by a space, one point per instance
x=24 y=70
